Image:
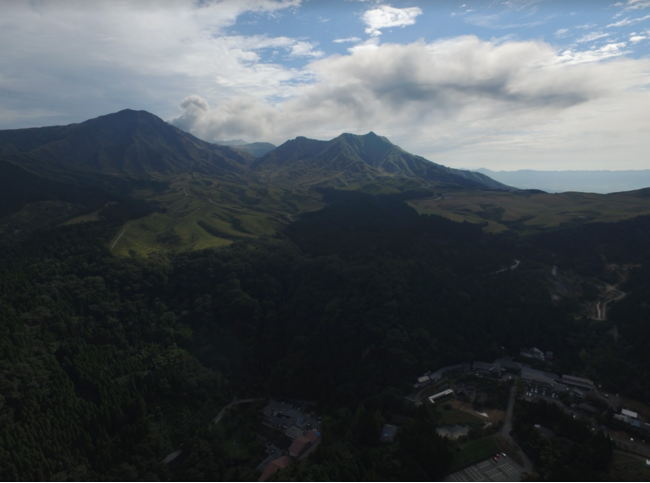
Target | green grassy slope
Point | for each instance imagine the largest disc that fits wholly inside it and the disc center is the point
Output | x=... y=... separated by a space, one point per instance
x=528 y=211
x=203 y=211
x=203 y=195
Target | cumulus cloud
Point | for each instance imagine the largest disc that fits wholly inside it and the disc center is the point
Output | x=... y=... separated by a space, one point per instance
x=305 y=49
x=67 y=55
x=446 y=95
x=463 y=97
x=386 y=16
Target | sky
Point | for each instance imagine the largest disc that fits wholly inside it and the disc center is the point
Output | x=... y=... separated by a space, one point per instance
x=501 y=84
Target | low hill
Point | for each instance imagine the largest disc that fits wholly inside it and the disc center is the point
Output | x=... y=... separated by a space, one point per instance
x=126 y=143
x=353 y=161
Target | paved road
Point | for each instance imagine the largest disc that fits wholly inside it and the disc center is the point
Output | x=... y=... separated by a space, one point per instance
x=507 y=429
x=512 y=267
x=601 y=306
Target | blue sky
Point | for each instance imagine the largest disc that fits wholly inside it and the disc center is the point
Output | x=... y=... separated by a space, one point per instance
x=506 y=84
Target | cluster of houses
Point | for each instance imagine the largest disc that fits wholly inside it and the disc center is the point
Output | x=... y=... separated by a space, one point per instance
x=632 y=418
x=505 y=366
x=299 y=426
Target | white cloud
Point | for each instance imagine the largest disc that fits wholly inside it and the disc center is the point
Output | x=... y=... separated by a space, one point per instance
x=637 y=4
x=562 y=33
x=73 y=60
x=462 y=97
x=586 y=26
x=494 y=21
x=348 y=39
x=305 y=49
x=591 y=36
x=594 y=55
x=520 y=4
x=637 y=38
x=454 y=100
x=386 y=16
x=628 y=21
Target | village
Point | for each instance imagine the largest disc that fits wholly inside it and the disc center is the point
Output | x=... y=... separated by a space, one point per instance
x=474 y=401
x=471 y=387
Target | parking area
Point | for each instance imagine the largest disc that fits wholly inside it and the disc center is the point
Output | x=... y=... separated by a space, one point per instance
x=489 y=470
x=284 y=415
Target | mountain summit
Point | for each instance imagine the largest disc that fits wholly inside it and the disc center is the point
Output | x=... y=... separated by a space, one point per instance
x=133 y=143
x=351 y=160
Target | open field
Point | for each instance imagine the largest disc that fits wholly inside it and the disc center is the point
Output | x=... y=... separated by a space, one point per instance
x=494 y=415
x=526 y=211
x=451 y=417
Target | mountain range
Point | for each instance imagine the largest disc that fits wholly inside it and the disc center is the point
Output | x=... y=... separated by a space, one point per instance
x=139 y=144
x=173 y=191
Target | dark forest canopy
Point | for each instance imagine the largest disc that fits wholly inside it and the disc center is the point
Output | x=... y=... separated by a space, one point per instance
x=109 y=364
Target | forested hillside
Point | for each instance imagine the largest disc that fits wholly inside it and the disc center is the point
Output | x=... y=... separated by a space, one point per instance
x=108 y=364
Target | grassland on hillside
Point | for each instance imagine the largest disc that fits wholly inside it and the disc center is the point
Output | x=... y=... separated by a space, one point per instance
x=202 y=212
x=529 y=212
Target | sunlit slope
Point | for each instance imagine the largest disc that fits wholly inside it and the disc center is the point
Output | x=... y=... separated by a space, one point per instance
x=527 y=211
x=201 y=212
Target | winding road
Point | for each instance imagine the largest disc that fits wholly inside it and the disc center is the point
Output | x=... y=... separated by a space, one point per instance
x=601 y=305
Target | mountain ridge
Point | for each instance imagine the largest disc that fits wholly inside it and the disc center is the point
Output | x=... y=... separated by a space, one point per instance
x=135 y=143
x=139 y=144
x=350 y=159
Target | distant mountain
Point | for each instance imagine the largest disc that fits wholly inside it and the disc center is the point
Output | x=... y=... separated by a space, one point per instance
x=132 y=143
x=353 y=160
x=256 y=149
x=583 y=181
x=232 y=142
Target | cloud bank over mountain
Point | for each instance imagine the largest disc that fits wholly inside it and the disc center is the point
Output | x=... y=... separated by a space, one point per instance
x=518 y=82
x=461 y=90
